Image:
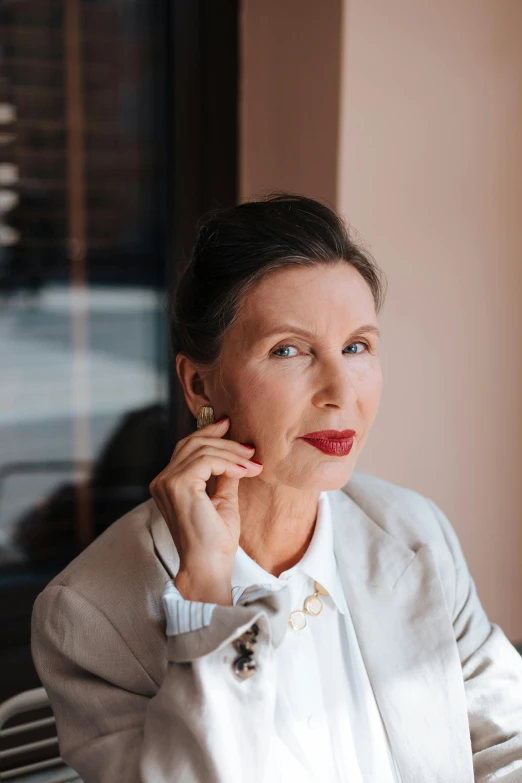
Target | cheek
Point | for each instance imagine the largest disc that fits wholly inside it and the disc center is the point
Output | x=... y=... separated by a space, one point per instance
x=267 y=397
x=370 y=388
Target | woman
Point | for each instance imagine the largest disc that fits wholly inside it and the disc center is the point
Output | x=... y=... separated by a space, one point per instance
x=270 y=614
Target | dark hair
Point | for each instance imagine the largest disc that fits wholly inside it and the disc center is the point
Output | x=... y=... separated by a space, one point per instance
x=236 y=246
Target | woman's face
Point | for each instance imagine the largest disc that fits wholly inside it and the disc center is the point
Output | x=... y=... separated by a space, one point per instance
x=299 y=359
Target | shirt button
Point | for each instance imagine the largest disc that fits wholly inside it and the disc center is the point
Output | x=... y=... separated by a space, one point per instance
x=313 y=722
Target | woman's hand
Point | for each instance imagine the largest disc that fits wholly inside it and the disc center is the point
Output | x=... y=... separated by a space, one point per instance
x=205 y=528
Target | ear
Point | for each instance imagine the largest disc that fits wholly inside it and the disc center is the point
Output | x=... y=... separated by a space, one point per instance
x=195 y=387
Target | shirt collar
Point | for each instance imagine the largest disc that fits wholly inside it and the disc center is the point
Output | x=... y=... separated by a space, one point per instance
x=318 y=562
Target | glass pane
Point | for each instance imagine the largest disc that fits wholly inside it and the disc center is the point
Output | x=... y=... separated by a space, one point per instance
x=83 y=325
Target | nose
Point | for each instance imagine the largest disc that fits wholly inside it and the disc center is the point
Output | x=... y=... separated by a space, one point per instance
x=334 y=384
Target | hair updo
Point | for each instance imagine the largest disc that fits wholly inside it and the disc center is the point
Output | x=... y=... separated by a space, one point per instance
x=236 y=246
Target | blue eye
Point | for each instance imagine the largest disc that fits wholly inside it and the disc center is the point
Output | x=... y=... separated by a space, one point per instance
x=359 y=343
x=355 y=353
x=281 y=347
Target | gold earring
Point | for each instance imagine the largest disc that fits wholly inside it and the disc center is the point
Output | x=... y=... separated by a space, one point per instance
x=205 y=416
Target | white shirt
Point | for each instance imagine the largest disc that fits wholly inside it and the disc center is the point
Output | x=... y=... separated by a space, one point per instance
x=327 y=725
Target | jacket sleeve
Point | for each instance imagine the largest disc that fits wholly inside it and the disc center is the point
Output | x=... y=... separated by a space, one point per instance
x=492 y=671
x=205 y=723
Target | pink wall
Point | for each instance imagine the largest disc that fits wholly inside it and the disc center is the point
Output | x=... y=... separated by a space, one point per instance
x=290 y=95
x=420 y=150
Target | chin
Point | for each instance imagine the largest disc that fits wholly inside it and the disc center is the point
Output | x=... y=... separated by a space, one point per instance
x=331 y=476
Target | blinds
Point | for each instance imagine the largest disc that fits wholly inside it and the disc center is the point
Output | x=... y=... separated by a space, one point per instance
x=77 y=146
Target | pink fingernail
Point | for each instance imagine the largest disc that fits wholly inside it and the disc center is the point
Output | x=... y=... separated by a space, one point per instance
x=241 y=466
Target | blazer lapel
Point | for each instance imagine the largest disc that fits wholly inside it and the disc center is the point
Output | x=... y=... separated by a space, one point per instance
x=162 y=541
x=408 y=646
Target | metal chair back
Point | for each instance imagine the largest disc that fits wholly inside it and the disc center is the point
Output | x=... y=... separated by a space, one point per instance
x=35 y=760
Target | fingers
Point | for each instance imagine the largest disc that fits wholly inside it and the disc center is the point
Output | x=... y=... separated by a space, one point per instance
x=225 y=489
x=208 y=435
x=215 y=430
x=196 y=469
x=209 y=455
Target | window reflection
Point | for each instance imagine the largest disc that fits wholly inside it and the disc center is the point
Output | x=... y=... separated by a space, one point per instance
x=83 y=356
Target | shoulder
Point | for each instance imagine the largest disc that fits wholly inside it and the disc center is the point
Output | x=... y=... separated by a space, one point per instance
x=411 y=519
x=123 y=552
x=405 y=514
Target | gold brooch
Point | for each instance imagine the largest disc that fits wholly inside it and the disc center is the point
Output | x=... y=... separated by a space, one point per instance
x=312 y=606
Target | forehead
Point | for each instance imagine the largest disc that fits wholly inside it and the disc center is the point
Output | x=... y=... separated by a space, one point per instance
x=316 y=296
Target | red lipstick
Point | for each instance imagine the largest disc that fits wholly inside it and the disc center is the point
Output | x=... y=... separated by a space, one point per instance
x=336 y=442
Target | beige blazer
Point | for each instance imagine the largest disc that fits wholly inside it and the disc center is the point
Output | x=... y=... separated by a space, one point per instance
x=135 y=706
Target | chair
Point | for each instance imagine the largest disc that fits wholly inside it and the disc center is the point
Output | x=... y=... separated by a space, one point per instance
x=25 y=761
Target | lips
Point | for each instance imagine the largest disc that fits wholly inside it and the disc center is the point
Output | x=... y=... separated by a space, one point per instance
x=330 y=435
x=336 y=442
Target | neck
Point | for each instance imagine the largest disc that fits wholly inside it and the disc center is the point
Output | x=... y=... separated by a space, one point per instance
x=277 y=523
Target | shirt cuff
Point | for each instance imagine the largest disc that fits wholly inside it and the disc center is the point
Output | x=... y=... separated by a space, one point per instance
x=184 y=615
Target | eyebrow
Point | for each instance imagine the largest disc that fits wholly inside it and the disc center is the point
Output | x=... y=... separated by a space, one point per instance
x=299 y=330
